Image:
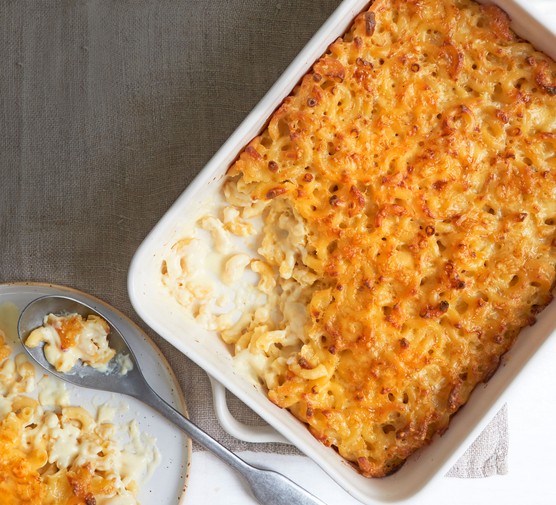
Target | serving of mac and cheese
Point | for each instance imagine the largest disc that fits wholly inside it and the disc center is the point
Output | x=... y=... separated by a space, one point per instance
x=69 y=338
x=53 y=452
x=390 y=232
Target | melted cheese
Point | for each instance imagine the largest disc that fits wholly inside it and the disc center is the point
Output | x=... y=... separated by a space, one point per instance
x=53 y=392
x=124 y=364
x=407 y=189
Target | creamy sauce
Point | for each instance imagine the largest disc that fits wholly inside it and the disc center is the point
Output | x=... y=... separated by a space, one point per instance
x=53 y=392
x=106 y=414
x=124 y=363
x=231 y=286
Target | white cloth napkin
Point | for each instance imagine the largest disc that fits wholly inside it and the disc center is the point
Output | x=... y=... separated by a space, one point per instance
x=488 y=454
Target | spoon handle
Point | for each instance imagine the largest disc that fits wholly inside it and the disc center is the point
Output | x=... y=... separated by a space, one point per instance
x=268 y=487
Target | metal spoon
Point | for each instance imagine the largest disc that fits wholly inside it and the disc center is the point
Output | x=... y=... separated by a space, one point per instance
x=268 y=487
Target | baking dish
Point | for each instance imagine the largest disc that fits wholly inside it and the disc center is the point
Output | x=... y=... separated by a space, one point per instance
x=167 y=318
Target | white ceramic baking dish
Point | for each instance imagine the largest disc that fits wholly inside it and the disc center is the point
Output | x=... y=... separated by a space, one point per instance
x=167 y=317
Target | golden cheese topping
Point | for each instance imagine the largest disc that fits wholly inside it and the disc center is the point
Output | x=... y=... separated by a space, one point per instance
x=407 y=189
x=20 y=482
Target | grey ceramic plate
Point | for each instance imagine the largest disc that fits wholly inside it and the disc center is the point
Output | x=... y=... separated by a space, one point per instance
x=168 y=483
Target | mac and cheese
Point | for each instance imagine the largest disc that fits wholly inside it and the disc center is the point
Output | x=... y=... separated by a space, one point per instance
x=402 y=207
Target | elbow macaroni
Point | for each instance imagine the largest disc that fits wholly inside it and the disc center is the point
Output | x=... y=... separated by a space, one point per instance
x=406 y=191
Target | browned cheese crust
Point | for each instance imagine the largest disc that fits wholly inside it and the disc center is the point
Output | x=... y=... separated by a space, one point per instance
x=25 y=479
x=420 y=152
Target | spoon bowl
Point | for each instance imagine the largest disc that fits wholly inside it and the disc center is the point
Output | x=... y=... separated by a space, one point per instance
x=82 y=375
x=267 y=486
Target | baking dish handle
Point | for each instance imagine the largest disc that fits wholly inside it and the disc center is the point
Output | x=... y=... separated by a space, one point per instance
x=247 y=433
